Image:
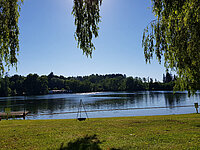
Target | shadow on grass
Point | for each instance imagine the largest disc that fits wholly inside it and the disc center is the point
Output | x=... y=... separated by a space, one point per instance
x=198 y=125
x=85 y=143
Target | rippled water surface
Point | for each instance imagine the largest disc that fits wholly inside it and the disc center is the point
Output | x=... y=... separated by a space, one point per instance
x=56 y=106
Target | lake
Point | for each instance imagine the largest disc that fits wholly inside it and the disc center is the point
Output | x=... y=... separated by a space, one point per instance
x=59 y=106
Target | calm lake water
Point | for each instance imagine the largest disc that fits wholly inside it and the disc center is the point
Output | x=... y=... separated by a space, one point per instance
x=55 y=106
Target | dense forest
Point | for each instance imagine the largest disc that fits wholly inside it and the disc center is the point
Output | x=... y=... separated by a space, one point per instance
x=34 y=84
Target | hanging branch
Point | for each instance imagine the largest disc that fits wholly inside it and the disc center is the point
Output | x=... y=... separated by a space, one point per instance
x=87 y=18
x=9 y=33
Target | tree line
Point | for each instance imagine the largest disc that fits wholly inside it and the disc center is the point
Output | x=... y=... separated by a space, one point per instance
x=34 y=84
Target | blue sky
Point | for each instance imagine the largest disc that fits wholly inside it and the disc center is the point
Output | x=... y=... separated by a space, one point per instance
x=47 y=40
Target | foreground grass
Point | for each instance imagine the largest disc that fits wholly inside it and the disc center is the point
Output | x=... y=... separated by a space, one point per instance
x=151 y=132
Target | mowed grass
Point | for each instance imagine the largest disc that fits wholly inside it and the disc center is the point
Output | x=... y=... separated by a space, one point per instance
x=149 y=132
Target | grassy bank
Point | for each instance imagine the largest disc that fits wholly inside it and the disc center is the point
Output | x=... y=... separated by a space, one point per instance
x=151 y=132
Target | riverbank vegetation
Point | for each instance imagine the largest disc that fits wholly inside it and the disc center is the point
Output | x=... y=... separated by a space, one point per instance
x=34 y=84
x=150 y=132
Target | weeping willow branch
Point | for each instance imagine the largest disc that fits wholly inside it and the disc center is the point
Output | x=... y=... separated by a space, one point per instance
x=9 y=33
x=175 y=37
x=87 y=18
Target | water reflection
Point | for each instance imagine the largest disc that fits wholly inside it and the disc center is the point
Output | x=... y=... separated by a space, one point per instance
x=93 y=101
x=173 y=99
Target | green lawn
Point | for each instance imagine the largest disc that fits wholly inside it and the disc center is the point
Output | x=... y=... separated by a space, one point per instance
x=151 y=132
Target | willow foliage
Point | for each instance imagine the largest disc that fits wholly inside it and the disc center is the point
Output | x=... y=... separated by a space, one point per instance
x=9 y=32
x=175 y=36
x=87 y=18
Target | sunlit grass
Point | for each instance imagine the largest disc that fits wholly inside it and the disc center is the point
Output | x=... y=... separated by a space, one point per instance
x=151 y=132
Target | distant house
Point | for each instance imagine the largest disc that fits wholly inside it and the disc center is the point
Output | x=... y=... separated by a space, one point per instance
x=59 y=91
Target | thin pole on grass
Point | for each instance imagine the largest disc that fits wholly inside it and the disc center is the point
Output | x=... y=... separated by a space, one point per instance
x=196 y=106
x=84 y=109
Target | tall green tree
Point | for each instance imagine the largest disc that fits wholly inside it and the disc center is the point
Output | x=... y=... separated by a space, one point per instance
x=175 y=36
x=17 y=84
x=32 y=84
x=4 y=86
x=43 y=85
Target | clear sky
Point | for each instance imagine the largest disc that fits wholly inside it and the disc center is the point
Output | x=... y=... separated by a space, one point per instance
x=47 y=40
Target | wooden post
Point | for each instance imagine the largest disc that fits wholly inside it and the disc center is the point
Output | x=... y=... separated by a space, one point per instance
x=7 y=111
x=196 y=106
x=24 y=115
